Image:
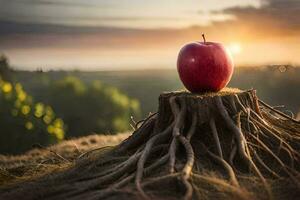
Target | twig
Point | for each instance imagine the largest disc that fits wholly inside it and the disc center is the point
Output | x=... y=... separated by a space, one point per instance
x=144 y=120
x=278 y=112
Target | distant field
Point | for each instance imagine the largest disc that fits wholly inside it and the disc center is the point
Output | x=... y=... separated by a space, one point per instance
x=275 y=85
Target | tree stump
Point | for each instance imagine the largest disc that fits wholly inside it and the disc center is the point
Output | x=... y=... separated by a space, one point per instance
x=197 y=146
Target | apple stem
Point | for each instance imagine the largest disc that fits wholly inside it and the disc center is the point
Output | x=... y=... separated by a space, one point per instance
x=203 y=36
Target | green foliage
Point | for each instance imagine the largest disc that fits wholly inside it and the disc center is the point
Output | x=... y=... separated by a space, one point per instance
x=88 y=108
x=5 y=70
x=24 y=122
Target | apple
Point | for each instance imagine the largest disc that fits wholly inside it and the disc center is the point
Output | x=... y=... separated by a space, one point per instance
x=204 y=66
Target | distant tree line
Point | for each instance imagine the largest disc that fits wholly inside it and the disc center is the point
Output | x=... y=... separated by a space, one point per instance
x=90 y=108
x=64 y=108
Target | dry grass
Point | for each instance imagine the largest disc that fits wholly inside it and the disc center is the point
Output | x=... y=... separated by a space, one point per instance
x=40 y=161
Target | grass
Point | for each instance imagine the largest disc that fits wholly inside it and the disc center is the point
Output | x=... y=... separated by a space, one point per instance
x=41 y=161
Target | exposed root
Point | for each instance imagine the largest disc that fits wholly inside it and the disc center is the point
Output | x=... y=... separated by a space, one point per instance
x=239 y=138
x=262 y=163
x=278 y=112
x=186 y=171
x=234 y=133
x=232 y=154
x=192 y=130
x=213 y=128
x=143 y=158
x=226 y=166
x=284 y=167
x=172 y=152
x=231 y=188
x=178 y=116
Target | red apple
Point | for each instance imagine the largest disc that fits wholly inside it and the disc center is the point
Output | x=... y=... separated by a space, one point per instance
x=204 y=66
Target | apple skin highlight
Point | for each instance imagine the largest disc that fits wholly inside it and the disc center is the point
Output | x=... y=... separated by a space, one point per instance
x=204 y=66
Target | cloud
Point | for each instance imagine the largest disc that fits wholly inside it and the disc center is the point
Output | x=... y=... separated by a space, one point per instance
x=84 y=13
x=28 y=35
x=274 y=17
x=52 y=11
x=56 y=3
x=9 y=28
x=272 y=21
x=19 y=28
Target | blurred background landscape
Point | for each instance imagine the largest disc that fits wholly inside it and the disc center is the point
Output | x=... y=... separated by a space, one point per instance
x=73 y=68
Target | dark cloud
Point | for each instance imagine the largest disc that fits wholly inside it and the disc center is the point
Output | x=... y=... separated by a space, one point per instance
x=274 y=16
x=18 y=28
x=8 y=28
x=55 y=3
x=51 y=11
x=68 y=12
x=29 y=35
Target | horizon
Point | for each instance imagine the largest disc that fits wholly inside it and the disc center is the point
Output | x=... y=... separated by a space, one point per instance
x=134 y=69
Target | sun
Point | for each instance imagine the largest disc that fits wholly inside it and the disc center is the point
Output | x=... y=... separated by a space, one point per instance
x=234 y=48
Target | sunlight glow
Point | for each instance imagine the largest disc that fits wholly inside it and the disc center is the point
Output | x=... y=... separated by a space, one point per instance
x=234 y=48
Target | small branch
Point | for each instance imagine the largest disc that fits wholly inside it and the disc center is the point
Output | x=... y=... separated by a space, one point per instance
x=88 y=152
x=144 y=120
x=58 y=155
x=278 y=112
x=134 y=126
x=51 y=151
x=137 y=136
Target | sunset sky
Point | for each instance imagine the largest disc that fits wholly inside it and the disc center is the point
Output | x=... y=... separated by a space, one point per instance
x=138 y=34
